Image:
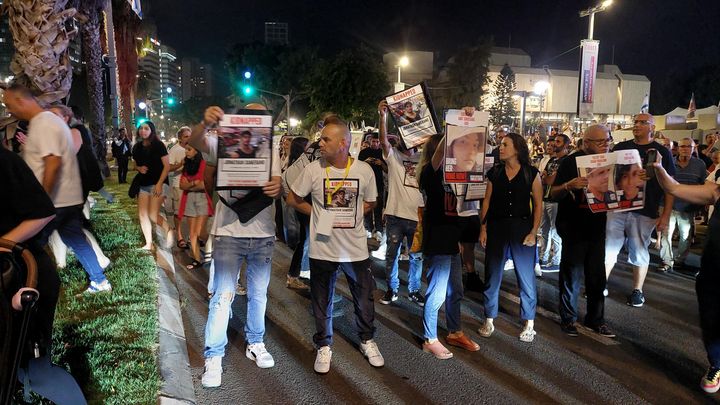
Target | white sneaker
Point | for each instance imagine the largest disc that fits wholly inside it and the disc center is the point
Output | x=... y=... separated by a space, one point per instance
x=370 y=350
x=212 y=377
x=305 y=274
x=257 y=353
x=322 y=360
x=368 y=234
x=378 y=236
x=99 y=287
x=605 y=292
x=509 y=265
x=538 y=270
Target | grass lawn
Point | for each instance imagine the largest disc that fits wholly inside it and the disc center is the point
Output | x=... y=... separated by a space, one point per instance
x=109 y=341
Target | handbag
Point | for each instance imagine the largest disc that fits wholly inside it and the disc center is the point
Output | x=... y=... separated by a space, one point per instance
x=134 y=189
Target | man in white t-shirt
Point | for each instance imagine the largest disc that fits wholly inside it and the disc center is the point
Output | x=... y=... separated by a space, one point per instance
x=172 y=200
x=50 y=155
x=235 y=242
x=337 y=239
x=401 y=214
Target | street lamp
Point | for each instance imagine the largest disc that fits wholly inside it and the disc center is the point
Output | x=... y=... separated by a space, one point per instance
x=590 y=12
x=539 y=89
x=402 y=62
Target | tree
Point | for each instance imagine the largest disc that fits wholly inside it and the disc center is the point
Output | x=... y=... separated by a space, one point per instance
x=91 y=10
x=467 y=73
x=502 y=109
x=127 y=28
x=275 y=68
x=41 y=61
x=191 y=110
x=350 y=85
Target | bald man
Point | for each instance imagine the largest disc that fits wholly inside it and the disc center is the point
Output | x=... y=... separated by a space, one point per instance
x=235 y=241
x=583 y=240
x=636 y=227
x=337 y=239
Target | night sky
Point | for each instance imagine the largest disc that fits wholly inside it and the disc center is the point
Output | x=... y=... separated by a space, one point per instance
x=654 y=38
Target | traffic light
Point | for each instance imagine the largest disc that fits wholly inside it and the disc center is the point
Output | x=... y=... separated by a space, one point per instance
x=141 y=120
x=247 y=74
x=171 y=101
x=248 y=90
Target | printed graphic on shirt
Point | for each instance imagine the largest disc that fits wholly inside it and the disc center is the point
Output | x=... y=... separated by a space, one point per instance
x=341 y=197
x=409 y=179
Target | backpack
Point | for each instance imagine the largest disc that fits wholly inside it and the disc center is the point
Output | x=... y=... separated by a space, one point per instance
x=90 y=175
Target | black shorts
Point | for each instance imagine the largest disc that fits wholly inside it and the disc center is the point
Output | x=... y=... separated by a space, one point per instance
x=469 y=229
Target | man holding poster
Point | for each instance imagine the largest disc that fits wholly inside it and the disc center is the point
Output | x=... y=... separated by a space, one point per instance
x=250 y=240
x=337 y=239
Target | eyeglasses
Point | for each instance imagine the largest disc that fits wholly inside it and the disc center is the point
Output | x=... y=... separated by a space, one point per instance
x=599 y=142
x=641 y=122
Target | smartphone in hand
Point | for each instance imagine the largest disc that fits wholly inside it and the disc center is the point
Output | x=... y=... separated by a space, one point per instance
x=652 y=157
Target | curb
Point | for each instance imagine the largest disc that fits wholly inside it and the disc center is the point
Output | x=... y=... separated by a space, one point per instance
x=177 y=384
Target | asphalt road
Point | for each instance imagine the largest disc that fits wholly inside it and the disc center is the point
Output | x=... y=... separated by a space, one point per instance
x=657 y=357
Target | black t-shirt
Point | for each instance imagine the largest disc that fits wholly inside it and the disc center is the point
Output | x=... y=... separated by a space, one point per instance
x=574 y=218
x=150 y=156
x=441 y=232
x=654 y=194
x=24 y=198
x=367 y=153
x=511 y=198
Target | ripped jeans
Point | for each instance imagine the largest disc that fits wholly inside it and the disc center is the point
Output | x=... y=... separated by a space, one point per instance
x=228 y=255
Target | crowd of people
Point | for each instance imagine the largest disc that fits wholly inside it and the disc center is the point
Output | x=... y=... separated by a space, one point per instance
x=534 y=217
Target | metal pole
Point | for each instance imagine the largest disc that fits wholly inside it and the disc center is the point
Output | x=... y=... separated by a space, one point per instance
x=399 y=67
x=522 y=113
x=112 y=67
x=592 y=26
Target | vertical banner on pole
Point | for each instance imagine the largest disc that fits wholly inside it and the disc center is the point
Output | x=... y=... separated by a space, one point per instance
x=588 y=70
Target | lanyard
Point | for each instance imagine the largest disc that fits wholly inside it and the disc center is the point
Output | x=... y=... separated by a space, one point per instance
x=327 y=181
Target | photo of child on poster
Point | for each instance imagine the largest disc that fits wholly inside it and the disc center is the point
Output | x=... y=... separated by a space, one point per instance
x=341 y=199
x=244 y=151
x=614 y=182
x=411 y=110
x=465 y=138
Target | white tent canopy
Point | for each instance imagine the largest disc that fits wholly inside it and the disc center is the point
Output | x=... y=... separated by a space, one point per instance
x=713 y=109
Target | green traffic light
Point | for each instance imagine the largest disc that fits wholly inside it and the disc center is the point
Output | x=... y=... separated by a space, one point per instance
x=141 y=121
x=248 y=90
x=171 y=101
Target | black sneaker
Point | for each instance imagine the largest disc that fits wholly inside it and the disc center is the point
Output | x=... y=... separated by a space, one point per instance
x=636 y=299
x=417 y=298
x=389 y=297
x=570 y=329
x=604 y=330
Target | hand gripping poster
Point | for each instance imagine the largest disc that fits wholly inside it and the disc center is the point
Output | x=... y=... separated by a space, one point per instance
x=244 y=150
x=465 y=138
x=614 y=181
x=412 y=112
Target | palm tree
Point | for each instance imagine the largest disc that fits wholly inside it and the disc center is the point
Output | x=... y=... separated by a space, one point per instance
x=41 y=61
x=127 y=27
x=90 y=13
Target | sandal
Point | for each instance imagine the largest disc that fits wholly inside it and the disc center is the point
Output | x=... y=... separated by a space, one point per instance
x=193 y=265
x=182 y=244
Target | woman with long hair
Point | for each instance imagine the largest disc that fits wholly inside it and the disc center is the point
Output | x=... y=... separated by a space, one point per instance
x=511 y=214
x=440 y=246
x=195 y=202
x=152 y=164
x=297 y=148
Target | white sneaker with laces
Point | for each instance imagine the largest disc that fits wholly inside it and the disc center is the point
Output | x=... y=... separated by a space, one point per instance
x=99 y=287
x=257 y=353
x=322 y=360
x=378 y=236
x=509 y=265
x=538 y=270
x=370 y=350
x=212 y=377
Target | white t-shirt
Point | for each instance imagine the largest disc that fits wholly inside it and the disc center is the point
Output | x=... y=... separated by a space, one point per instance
x=346 y=241
x=176 y=155
x=404 y=196
x=226 y=222
x=49 y=135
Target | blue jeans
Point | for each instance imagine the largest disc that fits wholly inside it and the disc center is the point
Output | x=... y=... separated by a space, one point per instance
x=444 y=286
x=397 y=228
x=68 y=223
x=323 y=275
x=228 y=255
x=505 y=238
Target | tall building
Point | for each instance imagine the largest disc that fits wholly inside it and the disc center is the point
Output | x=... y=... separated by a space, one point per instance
x=276 y=33
x=159 y=71
x=196 y=79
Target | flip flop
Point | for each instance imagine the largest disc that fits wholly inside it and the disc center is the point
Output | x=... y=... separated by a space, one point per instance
x=193 y=265
x=182 y=244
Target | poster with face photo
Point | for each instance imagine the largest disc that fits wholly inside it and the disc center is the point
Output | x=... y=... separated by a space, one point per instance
x=613 y=180
x=465 y=138
x=341 y=197
x=244 y=150
x=412 y=112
